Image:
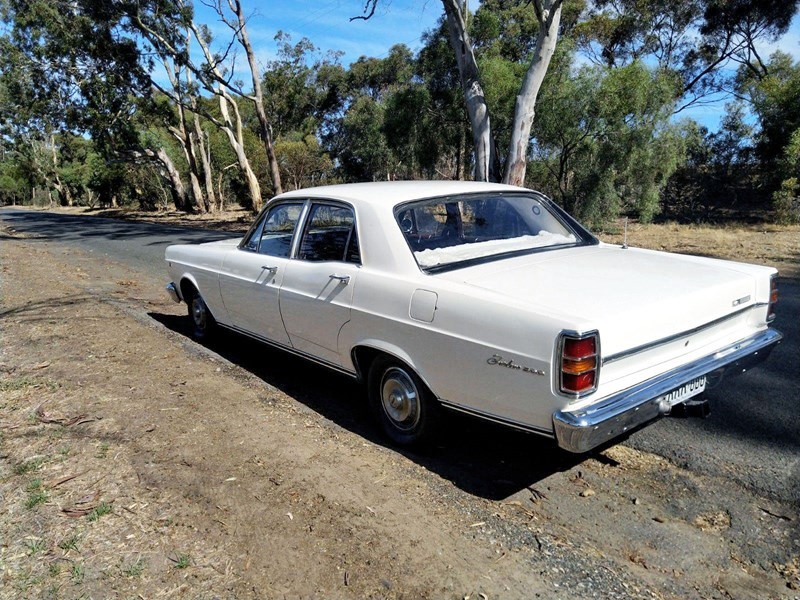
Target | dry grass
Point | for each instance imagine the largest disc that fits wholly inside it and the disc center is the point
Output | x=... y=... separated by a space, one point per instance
x=773 y=245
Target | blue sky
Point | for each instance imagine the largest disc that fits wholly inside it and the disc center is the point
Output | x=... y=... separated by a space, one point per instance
x=327 y=24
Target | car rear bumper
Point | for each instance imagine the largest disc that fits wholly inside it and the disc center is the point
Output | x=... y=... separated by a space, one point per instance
x=593 y=425
x=173 y=292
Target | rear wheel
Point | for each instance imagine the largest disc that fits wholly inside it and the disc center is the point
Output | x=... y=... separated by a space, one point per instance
x=202 y=320
x=401 y=402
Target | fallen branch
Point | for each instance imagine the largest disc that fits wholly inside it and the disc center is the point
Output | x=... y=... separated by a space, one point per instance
x=58 y=482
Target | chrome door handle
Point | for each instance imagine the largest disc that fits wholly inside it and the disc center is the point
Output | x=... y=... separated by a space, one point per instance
x=272 y=269
x=345 y=279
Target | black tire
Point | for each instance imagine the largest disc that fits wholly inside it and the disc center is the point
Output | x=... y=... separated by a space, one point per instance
x=402 y=404
x=201 y=319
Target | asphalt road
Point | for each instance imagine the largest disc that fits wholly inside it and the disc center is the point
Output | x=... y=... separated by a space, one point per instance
x=750 y=436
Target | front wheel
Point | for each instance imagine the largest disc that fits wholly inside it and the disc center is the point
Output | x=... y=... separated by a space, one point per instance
x=401 y=402
x=201 y=318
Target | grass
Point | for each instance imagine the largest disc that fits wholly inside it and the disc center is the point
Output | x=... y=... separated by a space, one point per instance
x=182 y=561
x=29 y=466
x=102 y=451
x=17 y=383
x=34 y=546
x=36 y=495
x=135 y=568
x=76 y=573
x=21 y=383
x=103 y=508
x=69 y=543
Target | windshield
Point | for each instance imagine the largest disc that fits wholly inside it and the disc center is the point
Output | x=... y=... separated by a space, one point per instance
x=455 y=231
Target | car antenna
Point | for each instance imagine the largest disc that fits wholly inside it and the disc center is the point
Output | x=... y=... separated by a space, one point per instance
x=625 y=235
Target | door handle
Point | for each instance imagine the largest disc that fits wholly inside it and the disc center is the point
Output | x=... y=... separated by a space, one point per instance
x=271 y=269
x=345 y=279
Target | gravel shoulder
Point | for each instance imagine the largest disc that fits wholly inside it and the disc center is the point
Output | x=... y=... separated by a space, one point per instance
x=134 y=461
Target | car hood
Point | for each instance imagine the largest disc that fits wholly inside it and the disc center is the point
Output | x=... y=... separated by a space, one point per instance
x=632 y=296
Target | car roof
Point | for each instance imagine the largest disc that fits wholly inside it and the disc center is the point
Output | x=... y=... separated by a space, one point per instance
x=395 y=192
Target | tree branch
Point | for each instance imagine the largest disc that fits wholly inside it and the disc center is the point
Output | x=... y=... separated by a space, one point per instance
x=369 y=10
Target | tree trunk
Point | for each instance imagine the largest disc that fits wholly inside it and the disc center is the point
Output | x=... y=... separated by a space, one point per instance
x=486 y=162
x=548 y=13
x=205 y=157
x=232 y=129
x=265 y=129
x=64 y=195
x=237 y=143
x=176 y=184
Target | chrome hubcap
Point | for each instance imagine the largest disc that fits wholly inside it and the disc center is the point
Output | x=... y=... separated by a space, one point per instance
x=199 y=313
x=400 y=399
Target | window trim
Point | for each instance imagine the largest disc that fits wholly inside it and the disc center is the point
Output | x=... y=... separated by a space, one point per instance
x=583 y=236
x=303 y=204
x=310 y=203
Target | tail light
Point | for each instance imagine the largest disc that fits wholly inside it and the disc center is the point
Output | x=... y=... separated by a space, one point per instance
x=579 y=365
x=773 y=298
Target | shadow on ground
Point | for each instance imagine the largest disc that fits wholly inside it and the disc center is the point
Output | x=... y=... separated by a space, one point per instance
x=480 y=458
x=70 y=228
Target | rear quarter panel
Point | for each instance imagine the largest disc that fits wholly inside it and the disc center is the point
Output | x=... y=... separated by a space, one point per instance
x=462 y=353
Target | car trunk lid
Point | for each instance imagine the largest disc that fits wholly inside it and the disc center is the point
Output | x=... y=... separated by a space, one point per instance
x=633 y=296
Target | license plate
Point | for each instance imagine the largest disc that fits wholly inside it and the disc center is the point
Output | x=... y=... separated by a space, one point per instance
x=683 y=393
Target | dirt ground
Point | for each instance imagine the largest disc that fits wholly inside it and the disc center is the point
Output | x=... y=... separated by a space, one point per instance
x=135 y=463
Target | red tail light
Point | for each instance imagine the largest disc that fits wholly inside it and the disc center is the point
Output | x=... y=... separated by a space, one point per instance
x=773 y=298
x=578 y=363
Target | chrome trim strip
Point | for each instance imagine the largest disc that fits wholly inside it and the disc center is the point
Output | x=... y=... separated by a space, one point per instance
x=677 y=336
x=495 y=419
x=290 y=350
x=582 y=429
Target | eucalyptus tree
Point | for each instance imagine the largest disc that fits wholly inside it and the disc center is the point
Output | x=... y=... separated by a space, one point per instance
x=486 y=166
x=702 y=43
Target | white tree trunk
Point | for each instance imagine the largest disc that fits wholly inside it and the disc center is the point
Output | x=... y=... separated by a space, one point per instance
x=485 y=168
x=176 y=184
x=548 y=12
x=205 y=157
x=233 y=129
x=265 y=129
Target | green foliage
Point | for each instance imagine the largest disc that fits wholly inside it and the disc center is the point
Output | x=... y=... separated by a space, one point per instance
x=102 y=509
x=36 y=494
x=182 y=561
x=299 y=89
x=361 y=146
x=604 y=144
x=786 y=202
x=134 y=569
x=28 y=466
x=35 y=545
x=775 y=100
x=302 y=162
x=69 y=543
x=79 y=123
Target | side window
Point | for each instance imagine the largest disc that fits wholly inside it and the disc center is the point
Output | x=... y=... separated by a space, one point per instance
x=254 y=238
x=330 y=235
x=279 y=226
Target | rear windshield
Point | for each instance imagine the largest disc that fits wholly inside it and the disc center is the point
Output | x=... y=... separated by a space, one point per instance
x=450 y=232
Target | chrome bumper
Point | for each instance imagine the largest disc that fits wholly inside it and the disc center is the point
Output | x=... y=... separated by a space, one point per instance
x=589 y=427
x=173 y=292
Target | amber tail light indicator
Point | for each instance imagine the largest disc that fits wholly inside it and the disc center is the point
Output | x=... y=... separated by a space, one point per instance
x=578 y=363
x=773 y=298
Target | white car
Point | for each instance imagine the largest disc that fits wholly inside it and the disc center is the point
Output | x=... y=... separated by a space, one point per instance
x=482 y=298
